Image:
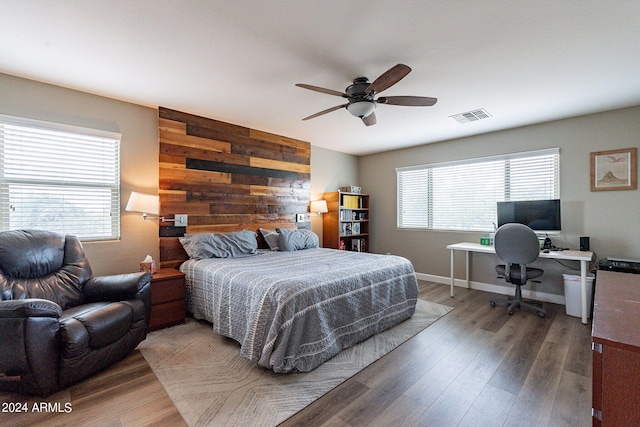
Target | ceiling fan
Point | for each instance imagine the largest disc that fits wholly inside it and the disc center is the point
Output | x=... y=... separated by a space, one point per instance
x=361 y=95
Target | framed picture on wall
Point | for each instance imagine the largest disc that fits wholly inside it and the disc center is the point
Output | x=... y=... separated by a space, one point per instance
x=614 y=170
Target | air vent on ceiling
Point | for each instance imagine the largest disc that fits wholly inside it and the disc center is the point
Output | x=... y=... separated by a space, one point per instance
x=471 y=116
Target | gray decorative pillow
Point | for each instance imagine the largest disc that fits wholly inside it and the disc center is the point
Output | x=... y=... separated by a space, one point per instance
x=225 y=245
x=293 y=240
x=271 y=237
x=189 y=240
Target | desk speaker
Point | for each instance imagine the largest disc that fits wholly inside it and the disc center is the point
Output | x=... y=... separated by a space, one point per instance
x=584 y=243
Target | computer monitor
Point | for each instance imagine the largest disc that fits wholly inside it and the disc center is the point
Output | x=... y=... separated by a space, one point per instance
x=542 y=216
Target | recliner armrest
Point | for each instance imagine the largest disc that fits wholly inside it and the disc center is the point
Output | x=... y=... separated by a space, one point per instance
x=29 y=345
x=29 y=307
x=116 y=287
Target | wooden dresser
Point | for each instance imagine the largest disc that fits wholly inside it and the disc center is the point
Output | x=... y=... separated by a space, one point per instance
x=168 y=303
x=616 y=350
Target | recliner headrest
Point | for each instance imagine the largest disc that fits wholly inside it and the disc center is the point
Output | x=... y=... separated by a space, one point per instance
x=29 y=254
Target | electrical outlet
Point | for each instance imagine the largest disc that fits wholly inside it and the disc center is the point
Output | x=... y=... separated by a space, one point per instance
x=181 y=220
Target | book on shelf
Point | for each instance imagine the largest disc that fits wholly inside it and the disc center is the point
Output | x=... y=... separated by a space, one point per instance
x=348 y=215
x=346 y=229
x=358 y=245
x=355 y=228
x=350 y=202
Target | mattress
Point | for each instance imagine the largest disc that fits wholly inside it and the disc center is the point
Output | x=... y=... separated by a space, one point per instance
x=291 y=311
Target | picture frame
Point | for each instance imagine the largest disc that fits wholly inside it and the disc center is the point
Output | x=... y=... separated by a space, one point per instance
x=614 y=170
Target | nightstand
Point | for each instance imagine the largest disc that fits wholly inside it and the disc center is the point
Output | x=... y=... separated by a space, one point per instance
x=168 y=303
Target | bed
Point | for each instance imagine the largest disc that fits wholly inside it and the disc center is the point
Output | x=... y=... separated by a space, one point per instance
x=293 y=310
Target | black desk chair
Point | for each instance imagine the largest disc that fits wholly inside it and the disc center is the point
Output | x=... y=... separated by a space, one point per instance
x=517 y=245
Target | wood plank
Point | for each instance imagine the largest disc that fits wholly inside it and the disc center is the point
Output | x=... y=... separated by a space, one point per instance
x=403 y=412
x=300 y=181
x=192 y=120
x=279 y=165
x=262 y=190
x=579 y=359
x=561 y=330
x=172 y=126
x=190 y=141
x=244 y=197
x=333 y=402
x=194 y=176
x=428 y=389
x=172 y=196
x=202 y=153
x=124 y=394
x=572 y=403
x=226 y=228
x=278 y=139
x=535 y=402
x=240 y=220
x=490 y=408
x=250 y=208
x=173 y=185
x=166 y=158
x=514 y=370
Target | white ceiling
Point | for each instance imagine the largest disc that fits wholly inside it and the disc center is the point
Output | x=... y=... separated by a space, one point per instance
x=238 y=61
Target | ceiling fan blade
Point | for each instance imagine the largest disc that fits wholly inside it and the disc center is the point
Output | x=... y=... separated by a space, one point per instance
x=411 y=101
x=323 y=90
x=328 y=110
x=370 y=119
x=390 y=77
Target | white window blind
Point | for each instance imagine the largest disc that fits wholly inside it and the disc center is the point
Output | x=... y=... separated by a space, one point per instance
x=462 y=195
x=59 y=178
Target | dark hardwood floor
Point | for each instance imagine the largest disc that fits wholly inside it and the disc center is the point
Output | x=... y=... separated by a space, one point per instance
x=476 y=366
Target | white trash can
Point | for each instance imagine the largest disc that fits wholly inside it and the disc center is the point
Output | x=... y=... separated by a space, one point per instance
x=572 y=297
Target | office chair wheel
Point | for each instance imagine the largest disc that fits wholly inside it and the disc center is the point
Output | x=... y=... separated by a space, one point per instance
x=493 y=303
x=510 y=312
x=541 y=314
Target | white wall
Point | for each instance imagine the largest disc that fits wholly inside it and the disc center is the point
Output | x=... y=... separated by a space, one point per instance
x=610 y=218
x=329 y=171
x=139 y=157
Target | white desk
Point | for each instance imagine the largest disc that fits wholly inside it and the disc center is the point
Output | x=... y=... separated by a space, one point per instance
x=583 y=256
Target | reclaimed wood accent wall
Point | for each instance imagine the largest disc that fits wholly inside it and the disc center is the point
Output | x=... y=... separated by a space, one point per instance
x=226 y=178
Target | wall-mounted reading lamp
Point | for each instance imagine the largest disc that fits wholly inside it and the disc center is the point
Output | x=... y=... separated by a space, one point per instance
x=150 y=204
x=318 y=207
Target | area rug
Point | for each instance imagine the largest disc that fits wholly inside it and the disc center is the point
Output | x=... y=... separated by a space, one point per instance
x=211 y=385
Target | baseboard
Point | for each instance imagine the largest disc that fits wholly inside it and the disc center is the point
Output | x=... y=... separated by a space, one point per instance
x=497 y=289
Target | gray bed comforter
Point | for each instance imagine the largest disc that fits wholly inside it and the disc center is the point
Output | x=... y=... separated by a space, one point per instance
x=291 y=311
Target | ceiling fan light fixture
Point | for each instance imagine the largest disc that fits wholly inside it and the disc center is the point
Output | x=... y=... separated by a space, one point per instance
x=361 y=95
x=361 y=108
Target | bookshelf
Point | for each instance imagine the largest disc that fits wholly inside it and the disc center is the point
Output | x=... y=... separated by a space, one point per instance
x=346 y=225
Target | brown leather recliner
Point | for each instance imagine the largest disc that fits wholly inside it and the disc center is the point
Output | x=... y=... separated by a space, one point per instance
x=58 y=324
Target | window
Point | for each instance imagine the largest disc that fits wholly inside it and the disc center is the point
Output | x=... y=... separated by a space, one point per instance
x=59 y=178
x=462 y=195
